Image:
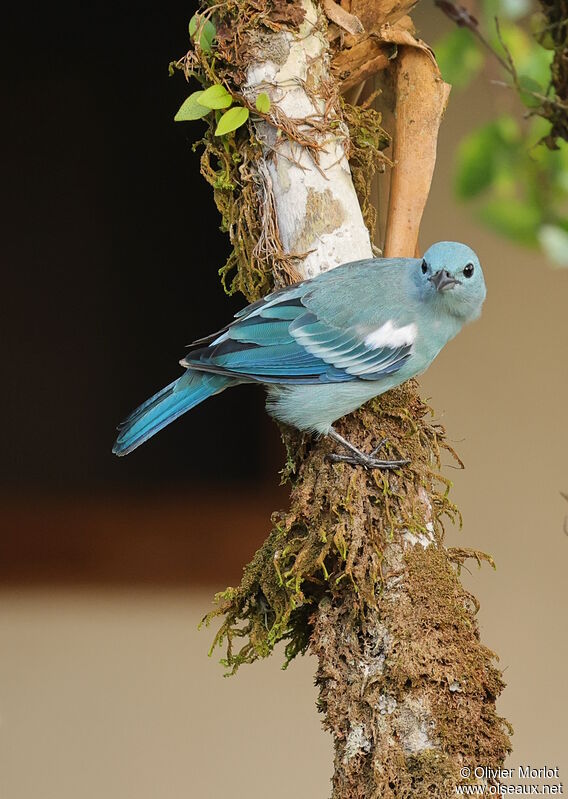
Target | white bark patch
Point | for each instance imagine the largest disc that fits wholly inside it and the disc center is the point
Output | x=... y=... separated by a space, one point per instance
x=388 y=335
x=427 y=538
x=356 y=742
x=414 y=726
x=387 y=704
x=317 y=210
x=417 y=538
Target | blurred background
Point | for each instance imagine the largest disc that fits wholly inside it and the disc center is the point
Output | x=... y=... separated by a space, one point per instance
x=110 y=255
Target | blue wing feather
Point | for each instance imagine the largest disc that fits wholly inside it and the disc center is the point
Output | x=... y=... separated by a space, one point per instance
x=279 y=340
x=261 y=331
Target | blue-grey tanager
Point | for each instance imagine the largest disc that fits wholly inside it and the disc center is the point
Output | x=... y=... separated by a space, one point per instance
x=325 y=346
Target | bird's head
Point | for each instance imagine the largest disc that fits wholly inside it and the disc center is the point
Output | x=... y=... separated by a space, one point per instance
x=450 y=275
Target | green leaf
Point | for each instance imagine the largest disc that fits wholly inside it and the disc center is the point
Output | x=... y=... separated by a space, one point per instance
x=231 y=120
x=216 y=96
x=459 y=57
x=191 y=109
x=481 y=154
x=263 y=103
x=537 y=65
x=193 y=25
x=207 y=32
x=528 y=87
x=554 y=241
x=517 y=42
x=519 y=221
x=508 y=131
x=476 y=162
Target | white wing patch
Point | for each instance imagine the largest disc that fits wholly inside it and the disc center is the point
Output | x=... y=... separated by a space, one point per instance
x=390 y=336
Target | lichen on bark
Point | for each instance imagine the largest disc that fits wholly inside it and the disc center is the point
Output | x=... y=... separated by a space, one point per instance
x=414 y=678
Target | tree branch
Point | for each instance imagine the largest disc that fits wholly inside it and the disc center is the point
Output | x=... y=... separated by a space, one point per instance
x=319 y=217
x=356 y=570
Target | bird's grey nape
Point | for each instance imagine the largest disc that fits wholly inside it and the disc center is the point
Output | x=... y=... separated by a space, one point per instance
x=358 y=458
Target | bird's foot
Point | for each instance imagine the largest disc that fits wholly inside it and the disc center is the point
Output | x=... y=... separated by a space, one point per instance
x=358 y=458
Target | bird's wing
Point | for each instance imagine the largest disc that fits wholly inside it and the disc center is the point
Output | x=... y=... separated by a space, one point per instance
x=281 y=340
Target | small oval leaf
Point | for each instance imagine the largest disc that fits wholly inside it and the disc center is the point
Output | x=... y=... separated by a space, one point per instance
x=263 y=103
x=529 y=88
x=476 y=159
x=519 y=221
x=207 y=32
x=231 y=120
x=191 y=109
x=216 y=96
x=459 y=57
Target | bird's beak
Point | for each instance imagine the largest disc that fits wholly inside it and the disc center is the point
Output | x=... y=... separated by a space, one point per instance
x=443 y=281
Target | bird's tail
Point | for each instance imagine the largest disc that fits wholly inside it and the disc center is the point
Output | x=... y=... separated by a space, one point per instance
x=180 y=396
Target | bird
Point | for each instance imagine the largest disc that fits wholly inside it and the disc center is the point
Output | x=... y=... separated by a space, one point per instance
x=325 y=346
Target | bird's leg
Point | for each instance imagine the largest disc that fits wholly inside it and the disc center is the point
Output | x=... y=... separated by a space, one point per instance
x=358 y=458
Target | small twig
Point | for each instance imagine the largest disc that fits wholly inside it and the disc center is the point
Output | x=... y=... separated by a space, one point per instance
x=463 y=19
x=507 y=65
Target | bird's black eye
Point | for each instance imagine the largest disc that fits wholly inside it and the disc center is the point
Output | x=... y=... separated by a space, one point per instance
x=468 y=270
x=424 y=267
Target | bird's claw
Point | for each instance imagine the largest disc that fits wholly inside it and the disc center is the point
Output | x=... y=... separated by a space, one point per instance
x=367 y=461
x=379 y=446
x=358 y=458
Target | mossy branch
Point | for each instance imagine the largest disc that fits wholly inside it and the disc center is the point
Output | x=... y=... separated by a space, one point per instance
x=335 y=534
x=356 y=571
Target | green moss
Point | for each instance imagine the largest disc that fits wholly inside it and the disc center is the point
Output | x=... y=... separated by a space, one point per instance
x=340 y=519
x=431 y=771
x=367 y=140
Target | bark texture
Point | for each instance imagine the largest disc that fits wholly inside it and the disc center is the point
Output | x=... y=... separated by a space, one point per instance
x=307 y=176
x=407 y=689
x=356 y=570
x=421 y=98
